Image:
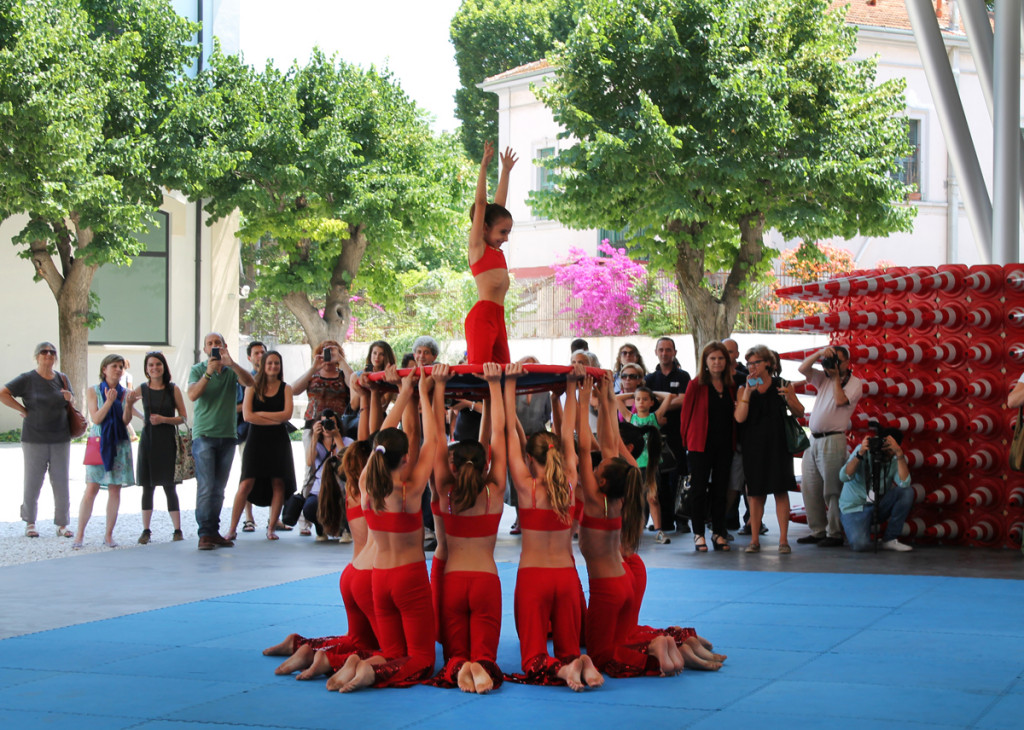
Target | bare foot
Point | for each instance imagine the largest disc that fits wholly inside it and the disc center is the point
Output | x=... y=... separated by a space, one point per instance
x=465 y=678
x=572 y=674
x=481 y=679
x=298 y=661
x=590 y=675
x=676 y=656
x=659 y=650
x=693 y=661
x=364 y=678
x=231 y=535
x=285 y=648
x=320 y=665
x=344 y=675
x=702 y=648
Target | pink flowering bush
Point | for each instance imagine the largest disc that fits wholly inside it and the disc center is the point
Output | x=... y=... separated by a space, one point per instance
x=601 y=290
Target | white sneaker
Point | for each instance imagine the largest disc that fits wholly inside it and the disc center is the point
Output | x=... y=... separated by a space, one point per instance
x=321 y=538
x=346 y=537
x=896 y=546
x=661 y=539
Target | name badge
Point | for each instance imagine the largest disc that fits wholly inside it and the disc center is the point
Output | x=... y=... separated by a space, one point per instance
x=674 y=384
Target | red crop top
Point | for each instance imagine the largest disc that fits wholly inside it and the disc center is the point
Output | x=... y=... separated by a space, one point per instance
x=542 y=520
x=393 y=521
x=483 y=525
x=492 y=258
x=610 y=524
x=353 y=512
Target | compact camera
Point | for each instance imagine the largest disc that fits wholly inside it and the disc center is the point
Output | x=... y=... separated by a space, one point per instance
x=328 y=420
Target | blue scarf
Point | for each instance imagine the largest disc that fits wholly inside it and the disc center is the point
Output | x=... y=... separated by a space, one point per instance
x=112 y=430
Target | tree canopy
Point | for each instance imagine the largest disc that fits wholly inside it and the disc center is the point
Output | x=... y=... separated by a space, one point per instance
x=699 y=124
x=336 y=175
x=84 y=88
x=492 y=36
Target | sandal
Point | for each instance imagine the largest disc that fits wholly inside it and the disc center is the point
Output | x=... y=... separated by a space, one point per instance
x=305 y=532
x=754 y=547
x=283 y=527
x=30 y=530
x=720 y=543
x=248 y=526
x=231 y=535
x=63 y=531
x=111 y=544
x=702 y=546
x=76 y=546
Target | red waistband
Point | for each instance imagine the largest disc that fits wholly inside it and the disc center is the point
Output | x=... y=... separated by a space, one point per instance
x=601 y=523
x=393 y=521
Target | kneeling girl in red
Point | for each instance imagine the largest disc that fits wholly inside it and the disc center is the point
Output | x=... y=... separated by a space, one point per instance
x=471 y=506
x=391 y=488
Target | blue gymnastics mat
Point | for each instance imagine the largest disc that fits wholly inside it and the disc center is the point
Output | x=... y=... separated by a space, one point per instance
x=805 y=651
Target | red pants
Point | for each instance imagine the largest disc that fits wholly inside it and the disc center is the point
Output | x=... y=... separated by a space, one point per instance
x=436 y=598
x=471 y=615
x=547 y=597
x=405 y=624
x=641 y=635
x=609 y=629
x=486 y=336
x=356 y=592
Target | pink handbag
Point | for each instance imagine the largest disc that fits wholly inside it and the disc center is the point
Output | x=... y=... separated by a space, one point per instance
x=93 y=457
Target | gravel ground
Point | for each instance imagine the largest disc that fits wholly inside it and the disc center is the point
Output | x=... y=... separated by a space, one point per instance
x=16 y=549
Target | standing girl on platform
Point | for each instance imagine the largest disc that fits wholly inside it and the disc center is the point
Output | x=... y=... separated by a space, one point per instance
x=106 y=410
x=486 y=337
x=163 y=410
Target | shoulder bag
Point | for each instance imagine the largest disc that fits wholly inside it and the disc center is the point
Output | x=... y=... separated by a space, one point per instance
x=184 y=464
x=76 y=420
x=1017 y=445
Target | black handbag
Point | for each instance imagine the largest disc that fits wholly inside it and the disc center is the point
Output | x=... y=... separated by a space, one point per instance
x=684 y=498
x=292 y=509
x=796 y=437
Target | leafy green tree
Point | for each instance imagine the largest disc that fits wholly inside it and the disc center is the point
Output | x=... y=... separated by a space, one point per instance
x=492 y=36
x=84 y=88
x=700 y=124
x=336 y=175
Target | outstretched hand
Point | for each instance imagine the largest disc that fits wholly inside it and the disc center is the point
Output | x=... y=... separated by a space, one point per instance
x=488 y=154
x=514 y=370
x=492 y=372
x=508 y=158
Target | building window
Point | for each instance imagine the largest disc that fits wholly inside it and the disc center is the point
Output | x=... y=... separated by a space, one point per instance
x=544 y=176
x=910 y=167
x=133 y=299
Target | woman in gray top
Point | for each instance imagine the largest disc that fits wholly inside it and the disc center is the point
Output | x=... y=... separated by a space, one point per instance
x=45 y=436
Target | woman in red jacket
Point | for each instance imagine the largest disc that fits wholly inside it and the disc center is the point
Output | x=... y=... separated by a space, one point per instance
x=709 y=434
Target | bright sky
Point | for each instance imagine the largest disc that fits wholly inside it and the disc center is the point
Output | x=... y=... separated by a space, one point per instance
x=410 y=37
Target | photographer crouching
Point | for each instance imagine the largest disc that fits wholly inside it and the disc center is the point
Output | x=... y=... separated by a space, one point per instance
x=876 y=488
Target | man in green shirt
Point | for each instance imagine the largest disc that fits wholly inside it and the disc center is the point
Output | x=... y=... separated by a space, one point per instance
x=211 y=387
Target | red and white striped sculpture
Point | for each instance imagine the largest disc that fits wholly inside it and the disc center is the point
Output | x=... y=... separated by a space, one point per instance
x=938 y=348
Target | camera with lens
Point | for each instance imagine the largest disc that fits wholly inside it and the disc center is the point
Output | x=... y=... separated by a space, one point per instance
x=876 y=443
x=830 y=363
x=328 y=420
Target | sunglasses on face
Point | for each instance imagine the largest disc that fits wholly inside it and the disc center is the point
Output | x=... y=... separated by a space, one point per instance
x=47 y=352
x=630 y=376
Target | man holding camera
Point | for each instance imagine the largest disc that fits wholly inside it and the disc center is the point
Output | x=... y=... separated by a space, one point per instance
x=876 y=488
x=838 y=393
x=211 y=387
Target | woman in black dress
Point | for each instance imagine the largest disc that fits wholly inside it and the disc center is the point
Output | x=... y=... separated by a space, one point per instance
x=267 y=407
x=163 y=410
x=768 y=465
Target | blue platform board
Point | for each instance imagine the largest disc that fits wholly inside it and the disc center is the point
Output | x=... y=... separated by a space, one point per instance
x=805 y=651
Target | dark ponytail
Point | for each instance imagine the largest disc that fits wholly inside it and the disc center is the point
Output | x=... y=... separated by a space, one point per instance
x=622 y=480
x=469 y=459
x=329 y=504
x=389 y=447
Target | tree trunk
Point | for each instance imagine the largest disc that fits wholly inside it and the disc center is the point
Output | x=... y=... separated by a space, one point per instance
x=71 y=290
x=712 y=318
x=337 y=310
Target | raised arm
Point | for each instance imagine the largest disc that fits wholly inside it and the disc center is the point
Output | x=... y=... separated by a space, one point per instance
x=586 y=464
x=514 y=454
x=508 y=160
x=496 y=406
x=425 y=462
x=405 y=393
x=476 y=231
x=607 y=428
x=569 y=457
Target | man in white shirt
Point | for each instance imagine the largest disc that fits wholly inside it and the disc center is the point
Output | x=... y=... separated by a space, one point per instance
x=838 y=393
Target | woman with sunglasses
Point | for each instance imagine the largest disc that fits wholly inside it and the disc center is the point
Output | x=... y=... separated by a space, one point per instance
x=628 y=354
x=760 y=408
x=45 y=436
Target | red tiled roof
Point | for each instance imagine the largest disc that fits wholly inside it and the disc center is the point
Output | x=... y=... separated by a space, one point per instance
x=893 y=13
x=530 y=67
